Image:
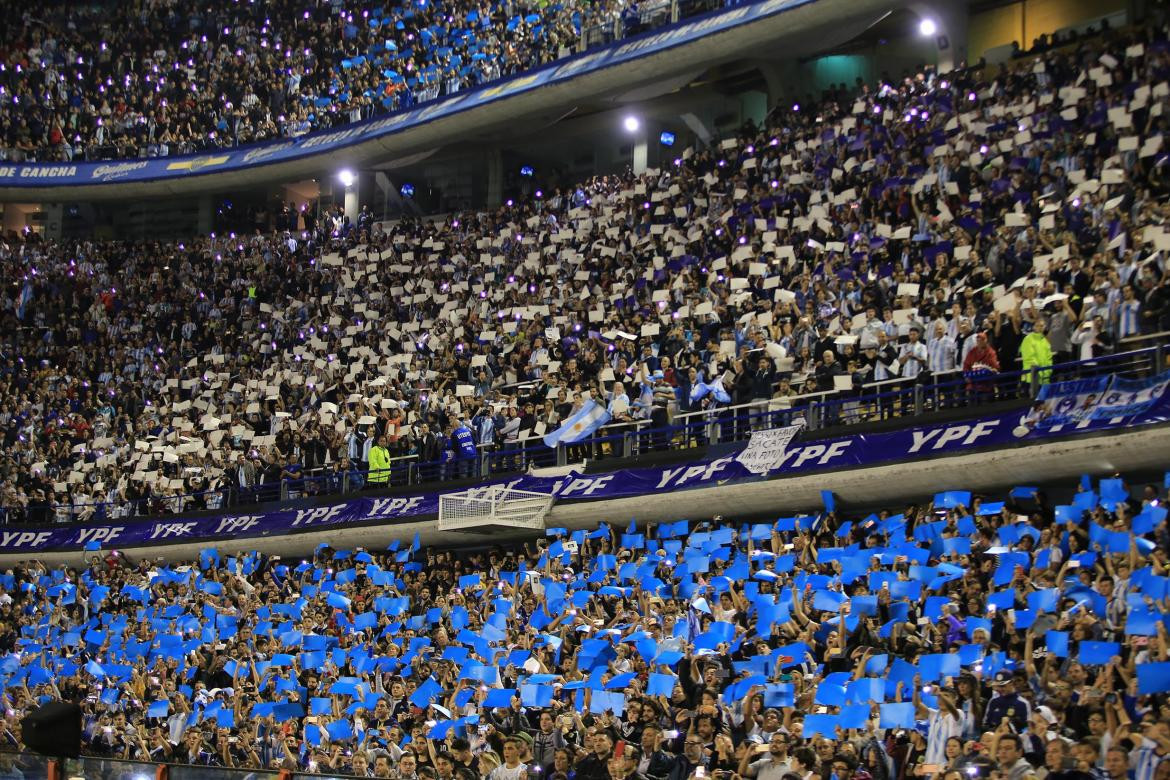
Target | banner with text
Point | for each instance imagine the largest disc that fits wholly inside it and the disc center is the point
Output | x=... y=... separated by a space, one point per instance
x=843 y=452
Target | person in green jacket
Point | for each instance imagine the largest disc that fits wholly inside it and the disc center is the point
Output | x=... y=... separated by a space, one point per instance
x=1036 y=352
x=379 y=465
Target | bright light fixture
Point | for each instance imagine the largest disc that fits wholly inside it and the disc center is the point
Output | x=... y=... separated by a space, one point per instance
x=631 y=124
x=346 y=177
x=927 y=27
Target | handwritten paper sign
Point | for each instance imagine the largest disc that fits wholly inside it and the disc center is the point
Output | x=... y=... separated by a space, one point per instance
x=766 y=449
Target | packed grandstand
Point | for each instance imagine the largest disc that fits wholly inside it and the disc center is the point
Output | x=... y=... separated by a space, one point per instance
x=116 y=80
x=959 y=637
x=982 y=221
x=938 y=230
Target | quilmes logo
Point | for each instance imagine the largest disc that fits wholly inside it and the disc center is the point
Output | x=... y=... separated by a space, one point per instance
x=198 y=163
x=117 y=171
x=256 y=155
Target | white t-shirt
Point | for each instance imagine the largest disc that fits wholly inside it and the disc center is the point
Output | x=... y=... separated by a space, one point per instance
x=943 y=726
x=503 y=772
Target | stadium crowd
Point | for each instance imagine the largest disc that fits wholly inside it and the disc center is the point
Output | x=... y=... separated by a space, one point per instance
x=980 y=221
x=125 y=80
x=958 y=638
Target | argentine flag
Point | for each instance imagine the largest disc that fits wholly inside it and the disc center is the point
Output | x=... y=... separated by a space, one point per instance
x=701 y=390
x=580 y=426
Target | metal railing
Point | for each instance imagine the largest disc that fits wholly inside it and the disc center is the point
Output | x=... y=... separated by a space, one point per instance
x=639 y=17
x=869 y=403
x=866 y=403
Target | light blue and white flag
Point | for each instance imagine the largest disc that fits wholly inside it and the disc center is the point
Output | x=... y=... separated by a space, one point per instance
x=701 y=390
x=26 y=295
x=580 y=425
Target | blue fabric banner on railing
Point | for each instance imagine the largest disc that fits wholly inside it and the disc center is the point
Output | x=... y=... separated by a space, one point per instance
x=1114 y=404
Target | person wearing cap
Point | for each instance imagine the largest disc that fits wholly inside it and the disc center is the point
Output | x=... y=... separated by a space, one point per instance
x=909 y=749
x=1043 y=727
x=525 y=745
x=1006 y=704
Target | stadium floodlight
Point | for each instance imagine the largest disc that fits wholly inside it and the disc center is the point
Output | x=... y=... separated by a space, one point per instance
x=631 y=124
x=346 y=177
x=927 y=27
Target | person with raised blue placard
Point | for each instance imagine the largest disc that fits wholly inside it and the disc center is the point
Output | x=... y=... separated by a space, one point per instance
x=835 y=636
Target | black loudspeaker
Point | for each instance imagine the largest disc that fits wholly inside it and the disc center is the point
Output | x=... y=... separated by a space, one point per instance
x=53 y=730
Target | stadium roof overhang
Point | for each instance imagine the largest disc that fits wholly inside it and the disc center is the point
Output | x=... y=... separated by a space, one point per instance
x=797 y=28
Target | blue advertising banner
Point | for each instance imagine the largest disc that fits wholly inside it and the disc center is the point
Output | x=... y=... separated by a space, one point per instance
x=285 y=150
x=1149 y=397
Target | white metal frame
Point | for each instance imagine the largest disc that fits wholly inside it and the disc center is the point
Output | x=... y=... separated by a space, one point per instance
x=495 y=505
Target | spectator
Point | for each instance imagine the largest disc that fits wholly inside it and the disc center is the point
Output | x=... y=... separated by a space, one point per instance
x=980 y=364
x=463 y=441
x=913 y=357
x=95 y=368
x=1011 y=759
x=1006 y=706
x=1036 y=353
x=379 y=475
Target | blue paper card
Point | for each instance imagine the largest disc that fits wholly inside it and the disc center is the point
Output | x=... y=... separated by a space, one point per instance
x=499 y=697
x=897 y=715
x=1098 y=653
